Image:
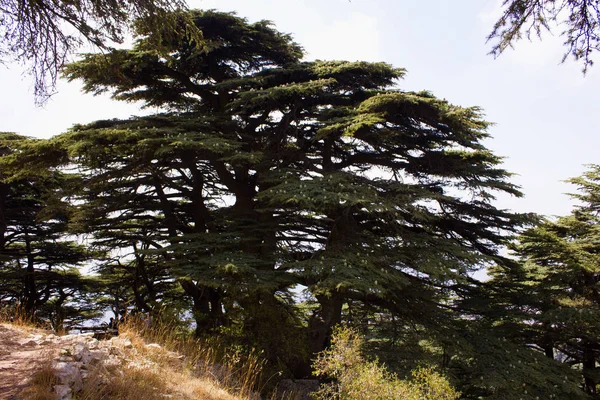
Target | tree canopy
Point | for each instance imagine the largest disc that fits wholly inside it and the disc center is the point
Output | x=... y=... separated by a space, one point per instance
x=554 y=294
x=39 y=264
x=335 y=180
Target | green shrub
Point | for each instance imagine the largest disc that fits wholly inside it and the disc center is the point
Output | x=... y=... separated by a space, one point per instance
x=354 y=377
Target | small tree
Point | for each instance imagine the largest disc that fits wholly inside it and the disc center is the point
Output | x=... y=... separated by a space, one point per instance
x=38 y=263
x=556 y=294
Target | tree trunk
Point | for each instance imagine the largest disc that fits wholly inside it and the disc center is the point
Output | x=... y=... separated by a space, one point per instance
x=321 y=325
x=3 y=224
x=30 y=284
x=207 y=306
x=589 y=368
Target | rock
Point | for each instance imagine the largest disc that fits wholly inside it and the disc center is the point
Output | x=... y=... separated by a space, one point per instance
x=63 y=392
x=80 y=337
x=111 y=361
x=79 y=352
x=86 y=356
x=120 y=342
x=154 y=346
x=69 y=374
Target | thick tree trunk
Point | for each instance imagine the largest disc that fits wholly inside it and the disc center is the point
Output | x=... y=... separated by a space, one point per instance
x=30 y=284
x=207 y=306
x=548 y=343
x=321 y=325
x=589 y=367
x=59 y=312
x=549 y=351
x=3 y=223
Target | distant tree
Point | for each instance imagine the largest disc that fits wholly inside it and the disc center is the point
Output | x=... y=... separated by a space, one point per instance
x=38 y=263
x=580 y=18
x=44 y=34
x=554 y=300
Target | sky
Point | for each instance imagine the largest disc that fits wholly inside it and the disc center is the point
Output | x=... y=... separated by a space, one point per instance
x=544 y=112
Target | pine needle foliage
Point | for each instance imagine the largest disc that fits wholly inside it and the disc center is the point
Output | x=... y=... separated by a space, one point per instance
x=553 y=303
x=580 y=20
x=44 y=35
x=38 y=263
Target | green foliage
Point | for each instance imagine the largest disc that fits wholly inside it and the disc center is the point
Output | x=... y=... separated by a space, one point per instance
x=38 y=263
x=553 y=295
x=355 y=378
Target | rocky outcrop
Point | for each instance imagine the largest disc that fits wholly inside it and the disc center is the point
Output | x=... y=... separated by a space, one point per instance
x=28 y=355
x=76 y=356
x=80 y=354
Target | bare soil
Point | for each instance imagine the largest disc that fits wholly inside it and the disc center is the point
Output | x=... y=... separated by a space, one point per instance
x=21 y=353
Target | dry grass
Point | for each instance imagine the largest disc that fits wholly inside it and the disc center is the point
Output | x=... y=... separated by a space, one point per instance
x=149 y=374
x=156 y=363
x=41 y=384
x=234 y=372
x=171 y=366
x=128 y=383
x=16 y=316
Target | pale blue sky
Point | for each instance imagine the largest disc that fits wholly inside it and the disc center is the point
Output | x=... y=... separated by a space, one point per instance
x=544 y=111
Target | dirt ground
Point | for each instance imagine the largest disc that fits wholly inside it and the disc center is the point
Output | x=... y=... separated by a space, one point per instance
x=21 y=353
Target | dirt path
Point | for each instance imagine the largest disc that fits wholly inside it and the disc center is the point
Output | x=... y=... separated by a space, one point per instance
x=21 y=353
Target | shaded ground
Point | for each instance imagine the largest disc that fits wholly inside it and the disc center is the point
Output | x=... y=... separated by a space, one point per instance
x=21 y=352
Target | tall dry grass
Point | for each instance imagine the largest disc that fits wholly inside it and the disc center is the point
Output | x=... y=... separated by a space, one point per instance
x=158 y=361
x=235 y=371
x=16 y=315
x=124 y=384
x=42 y=382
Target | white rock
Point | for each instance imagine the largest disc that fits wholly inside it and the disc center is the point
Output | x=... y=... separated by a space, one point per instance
x=63 y=392
x=69 y=374
x=97 y=355
x=126 y=343
x=154 y=346
x=111 y=361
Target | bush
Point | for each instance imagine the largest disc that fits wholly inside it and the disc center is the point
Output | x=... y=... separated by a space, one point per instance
x=355 y=378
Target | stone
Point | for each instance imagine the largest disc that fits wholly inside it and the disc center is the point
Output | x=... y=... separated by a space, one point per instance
x=63 y=392
x=69 y=374
x=111 y=361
